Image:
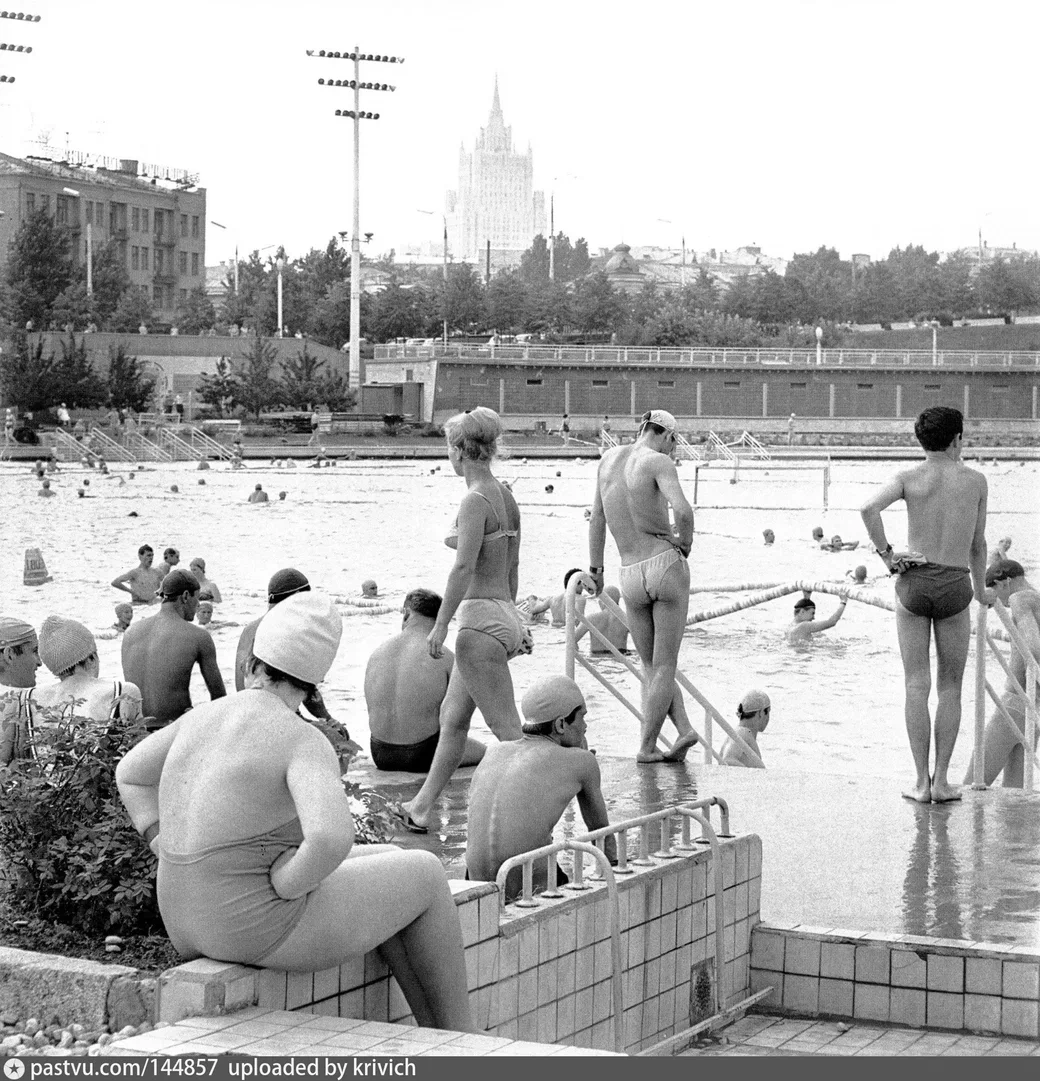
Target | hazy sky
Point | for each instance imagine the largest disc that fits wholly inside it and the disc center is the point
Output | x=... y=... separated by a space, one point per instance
x=786 y=123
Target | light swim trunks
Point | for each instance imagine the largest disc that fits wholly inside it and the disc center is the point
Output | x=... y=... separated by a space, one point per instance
x=500 y=620
x=934 y=590
x=641 y=582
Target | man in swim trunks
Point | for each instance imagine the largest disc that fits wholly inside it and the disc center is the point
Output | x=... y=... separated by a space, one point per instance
x=1004 y=746
x=635 y=486
x=753 y=715
x=806 y=624
x=160 y=653
x=142 y=583
x=556 y=605
x=944 y=568
x=404 y=689
x=522 y=787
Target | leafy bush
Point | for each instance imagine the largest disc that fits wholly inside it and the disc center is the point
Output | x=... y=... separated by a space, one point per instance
x=71 y=853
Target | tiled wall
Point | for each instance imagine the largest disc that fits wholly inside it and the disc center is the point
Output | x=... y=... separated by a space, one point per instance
x=902 y=979
x=539 y=974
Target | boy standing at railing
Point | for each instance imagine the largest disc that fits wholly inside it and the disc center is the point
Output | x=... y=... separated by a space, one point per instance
x=522 y=787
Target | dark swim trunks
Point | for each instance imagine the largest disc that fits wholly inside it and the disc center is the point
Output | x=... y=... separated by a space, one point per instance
x=934 y=590
x=407 y=757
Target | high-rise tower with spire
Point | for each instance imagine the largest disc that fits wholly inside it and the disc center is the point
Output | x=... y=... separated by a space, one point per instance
x=494 y=200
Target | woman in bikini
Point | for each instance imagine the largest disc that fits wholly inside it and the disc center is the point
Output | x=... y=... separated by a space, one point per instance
x=481 y=592
x=242 y=802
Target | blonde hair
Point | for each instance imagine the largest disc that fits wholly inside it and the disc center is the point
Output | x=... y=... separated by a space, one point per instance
x=475 y=433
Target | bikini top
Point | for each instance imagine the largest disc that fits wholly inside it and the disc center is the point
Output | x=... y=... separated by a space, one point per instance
x=452 y=539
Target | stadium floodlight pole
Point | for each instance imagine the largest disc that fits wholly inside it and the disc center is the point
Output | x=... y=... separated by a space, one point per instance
x=355 y=84
x=224 y=227
x=90 y=251
x=444 y=305
x=21 y=16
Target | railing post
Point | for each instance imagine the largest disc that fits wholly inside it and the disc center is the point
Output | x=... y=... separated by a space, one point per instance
x=978 y=779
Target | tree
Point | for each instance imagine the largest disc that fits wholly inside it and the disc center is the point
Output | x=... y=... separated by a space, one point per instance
x=465 y=307
x=332 y=389
x=399 y=312
x=133 y=310
x=109 y=280
x=219 y=390
x=300 y=380
x=197 y=314
x=255 y=386
x=596 y=306
x=534 y=263
x=1009 y=287
x=27 y=375
x=506 y=297
x=128 y=387
x=39 y=269
x=827 y=283
x=76 y=382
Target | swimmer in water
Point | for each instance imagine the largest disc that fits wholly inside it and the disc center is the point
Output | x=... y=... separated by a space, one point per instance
x=768 y=536
x=859 y=575
x=1000 y=551
x=752 y=718
x=45 y=489
x=608 y=624
x=124 y=616
x=369 y=588
x=208 y=589
x=258 y=495
x=142 y=582
x=836 y=544
x=805 y=624
x=170 y=558
x=817 y=534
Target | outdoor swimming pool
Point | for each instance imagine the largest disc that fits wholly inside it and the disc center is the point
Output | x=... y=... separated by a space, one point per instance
x=837 y=707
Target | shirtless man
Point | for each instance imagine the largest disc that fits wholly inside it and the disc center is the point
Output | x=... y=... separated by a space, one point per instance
x=160 y=653
x=522 y=787
x=608 y=624
x=258 y=495
x=1004 y=750
x=142 y=583
x=945 y=567
x=170 y=558
x=752 y=718
x=806 y=624
x=404 y=688
x=635 y=486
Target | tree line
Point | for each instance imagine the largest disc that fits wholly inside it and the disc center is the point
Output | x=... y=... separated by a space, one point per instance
x=45 y=286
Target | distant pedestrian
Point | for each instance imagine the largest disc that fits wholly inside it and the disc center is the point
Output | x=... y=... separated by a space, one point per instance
x=790 y=430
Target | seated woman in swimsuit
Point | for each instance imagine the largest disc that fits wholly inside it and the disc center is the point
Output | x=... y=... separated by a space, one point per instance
x=68 y=649
x=242 y=802
x=481 y=591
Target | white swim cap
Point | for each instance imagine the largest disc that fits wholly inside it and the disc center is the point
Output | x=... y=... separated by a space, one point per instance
x=300 y=636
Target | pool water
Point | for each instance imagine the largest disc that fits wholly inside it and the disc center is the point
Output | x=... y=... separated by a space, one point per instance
x=837 y=706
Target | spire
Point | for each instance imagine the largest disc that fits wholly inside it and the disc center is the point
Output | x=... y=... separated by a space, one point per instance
x=496 y=105
x=496 y=136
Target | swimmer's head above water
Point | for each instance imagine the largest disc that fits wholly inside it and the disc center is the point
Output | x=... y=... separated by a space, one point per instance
x=804 y=609
x=817 y=533
x=124 y=616
x=369 y=588
x=768 y=536
x=204 y=613
x=753 y=710
x=286 y=583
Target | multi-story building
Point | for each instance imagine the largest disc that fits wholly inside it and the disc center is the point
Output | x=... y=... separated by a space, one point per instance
x=158 y=226
x=494 y=201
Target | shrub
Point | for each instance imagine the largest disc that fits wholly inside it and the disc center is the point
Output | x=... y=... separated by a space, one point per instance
x=72 y=855
x=432 y=431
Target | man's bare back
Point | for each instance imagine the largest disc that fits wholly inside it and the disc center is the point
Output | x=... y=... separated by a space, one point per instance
x=943 y=502
x=159 y=655
x=404 y=688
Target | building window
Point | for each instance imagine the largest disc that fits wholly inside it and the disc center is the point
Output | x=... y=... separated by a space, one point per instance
x=864 y=386
x=45 y=203
x=195 y=226
x=160 y=260
x=182 y=259
x=931 y=386
x=135 y=258
x=409 y=375
x=184 y=225
x=144 y=221
x=30 y=203
x=135 y=219
x=479 y=382
x=194 y=264
x=601 y=382
x=61 y=210
x=731 y=386
x=666 y=384
x=798 y=386
x=144 y=258
x=534 y=382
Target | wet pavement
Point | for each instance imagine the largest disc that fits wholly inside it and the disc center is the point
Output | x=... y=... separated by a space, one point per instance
x=838 y=851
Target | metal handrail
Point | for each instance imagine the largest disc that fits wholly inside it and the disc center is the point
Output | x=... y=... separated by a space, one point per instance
x=586 y=843
x=574 y=657
x=199 y=440
x=143 y=447
x=111 y=448
x=179 y=449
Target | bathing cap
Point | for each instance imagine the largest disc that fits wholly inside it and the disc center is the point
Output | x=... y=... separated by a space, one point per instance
x=752 y=702
x=124 y=609
x=285 y=583
x=177 y=582
x=552 y=698
x=13 y=632
x=369 y=583
x=64 y=643
x=1003 y=570
x=199 y=562
x=300 y=636
x=805 y=602
x=661 y=417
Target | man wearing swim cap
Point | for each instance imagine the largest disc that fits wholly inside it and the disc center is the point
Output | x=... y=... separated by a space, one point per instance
x=1004 y=745
x=159 y=654
x=19 y=660
x=944 y=568
x=806 y=624
x=752 y=717
x=142 y=582
x=635 y=486
x=522 y=787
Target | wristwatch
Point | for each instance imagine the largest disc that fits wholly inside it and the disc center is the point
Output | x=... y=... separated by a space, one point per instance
x=595 y=570
x=887 y=551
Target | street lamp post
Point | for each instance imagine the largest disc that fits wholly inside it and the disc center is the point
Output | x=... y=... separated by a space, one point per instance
x=682 y=272
x=355 y=84
x=280 y=263
x=219 y=226
x=819 y=346
x=90 y=248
